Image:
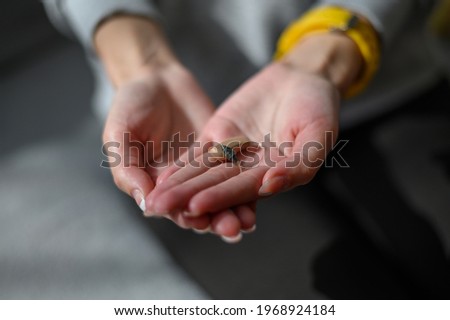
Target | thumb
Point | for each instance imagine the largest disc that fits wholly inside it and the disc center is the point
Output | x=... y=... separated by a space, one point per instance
x=298 y=168
x=135 y=182
x=128 y=168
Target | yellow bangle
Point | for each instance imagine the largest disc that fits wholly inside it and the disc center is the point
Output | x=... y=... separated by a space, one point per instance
x=332 y=19
x=440 y=19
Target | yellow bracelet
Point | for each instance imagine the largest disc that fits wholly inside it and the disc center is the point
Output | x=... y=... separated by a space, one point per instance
x=440 y=19
x=332 y=19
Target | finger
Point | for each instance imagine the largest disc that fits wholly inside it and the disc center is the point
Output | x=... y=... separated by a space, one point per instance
x=200 y=223
x=300 y=166
x=227 y=225
x=129 y=171
x=247 y=217
x=177 y=197
x=176 y=175
x=237 y=190
x=196 y=156
x=167 y=173
x=216 y=132
x=245 y=214
x=224 y=224
x=135 y=182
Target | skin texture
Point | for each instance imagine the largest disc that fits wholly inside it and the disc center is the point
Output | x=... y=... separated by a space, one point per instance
x=156 y=98
x=292 y=106
x=295 y=100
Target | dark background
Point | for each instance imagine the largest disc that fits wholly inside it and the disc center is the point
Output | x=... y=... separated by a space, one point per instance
x=45 y=84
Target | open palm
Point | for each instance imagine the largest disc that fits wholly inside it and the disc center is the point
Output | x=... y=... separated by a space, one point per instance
x=150 y=110
x=295 y=108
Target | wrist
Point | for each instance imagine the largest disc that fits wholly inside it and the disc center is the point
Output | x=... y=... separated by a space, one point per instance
x=337 y=25
x=333 y=56
x=128 y=44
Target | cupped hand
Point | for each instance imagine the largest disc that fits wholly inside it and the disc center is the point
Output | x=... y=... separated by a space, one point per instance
x=291 y=108
x=158 y=106
x=286 y=109
x=155 y=107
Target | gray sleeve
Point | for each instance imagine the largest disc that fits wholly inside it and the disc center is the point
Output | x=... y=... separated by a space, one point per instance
x=80 y=18
x=387 y=16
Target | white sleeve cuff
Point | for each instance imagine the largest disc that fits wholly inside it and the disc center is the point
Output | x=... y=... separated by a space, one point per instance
x=83 y=16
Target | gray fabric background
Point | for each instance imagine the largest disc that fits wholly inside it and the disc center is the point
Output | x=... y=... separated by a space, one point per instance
x=65 y=231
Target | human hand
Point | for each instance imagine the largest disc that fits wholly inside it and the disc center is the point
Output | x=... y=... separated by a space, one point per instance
x=151 y=110
x=157 y=101
x=296 y=101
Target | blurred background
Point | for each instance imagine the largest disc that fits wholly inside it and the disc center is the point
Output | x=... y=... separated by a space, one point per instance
x=66 y=232
x=45 y=82
x=61 y=219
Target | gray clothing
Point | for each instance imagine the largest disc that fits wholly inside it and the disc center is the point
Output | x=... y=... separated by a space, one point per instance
x=224 y=42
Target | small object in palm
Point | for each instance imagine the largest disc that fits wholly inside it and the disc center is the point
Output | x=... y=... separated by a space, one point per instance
x=229 y=154
x=227 y=150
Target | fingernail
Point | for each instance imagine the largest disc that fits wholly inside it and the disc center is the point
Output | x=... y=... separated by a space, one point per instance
x=191 y=214
x=272 y=186
x=139 y=198
x=150 y=213
x=204 y=231
x=232 y=240
x=250 y=230
x=142 y=205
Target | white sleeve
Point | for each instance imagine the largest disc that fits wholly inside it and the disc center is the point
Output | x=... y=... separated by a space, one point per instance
x=389 y=17
x=80 y=18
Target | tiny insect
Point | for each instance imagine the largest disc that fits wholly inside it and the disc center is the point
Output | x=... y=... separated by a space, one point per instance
x=229 y=149
x=229 y=154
